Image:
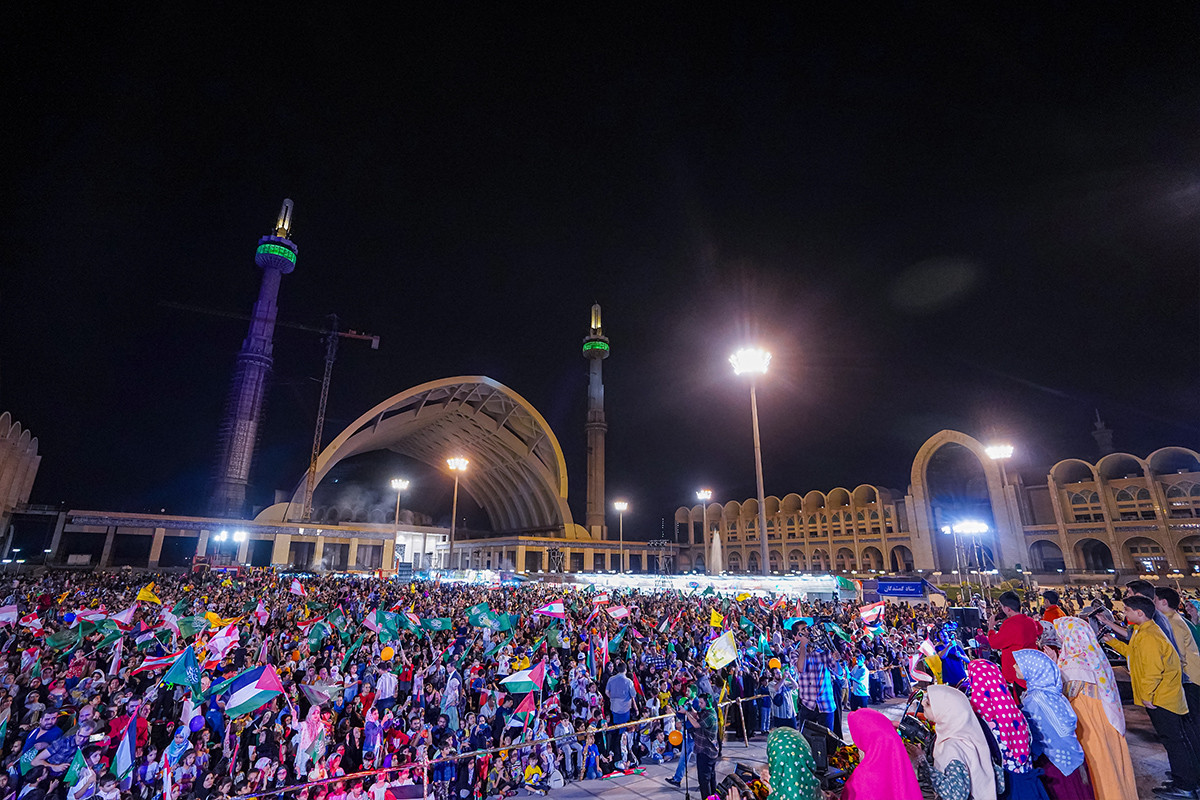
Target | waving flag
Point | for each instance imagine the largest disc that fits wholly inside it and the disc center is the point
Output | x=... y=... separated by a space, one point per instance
x=555 y=609
x=252 y=690
x=219 y=646
x=491 y=620
x=305 y=624
x=8 y=615
x=297 y=589
x=123 y=618
x=147 y=595
x=437 y=624
x=123 y=763
x=260 y=614
x=185 y=671
x=715 y=619
x=118 y=651
x=34 y=623
x=600 y=599
x=168 y=620
x=722 y=651
x=527 y=680
x=872 y=614
x=618 y=612
x=29 y=658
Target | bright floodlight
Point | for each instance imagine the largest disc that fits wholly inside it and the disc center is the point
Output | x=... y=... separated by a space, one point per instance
x=239 y=536
x=458 y=463
x=750 y=359
x=967 y=527
x=704 y=494
x=400 y=484
x=999 y=452
x=621 y=505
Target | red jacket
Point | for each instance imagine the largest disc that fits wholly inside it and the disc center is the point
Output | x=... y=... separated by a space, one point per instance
x=1018 y=632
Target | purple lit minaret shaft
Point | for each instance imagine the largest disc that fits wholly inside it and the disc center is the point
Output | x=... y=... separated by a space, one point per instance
x=595 y=350
x=276 y=256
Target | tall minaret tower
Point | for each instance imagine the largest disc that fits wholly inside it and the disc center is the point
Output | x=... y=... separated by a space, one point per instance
x=595 y=350
x=276 y=256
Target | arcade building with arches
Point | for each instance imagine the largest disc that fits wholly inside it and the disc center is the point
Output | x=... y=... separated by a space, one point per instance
x=1122 y=516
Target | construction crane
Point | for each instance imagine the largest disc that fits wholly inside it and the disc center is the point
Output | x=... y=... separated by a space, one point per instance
x=330 y=335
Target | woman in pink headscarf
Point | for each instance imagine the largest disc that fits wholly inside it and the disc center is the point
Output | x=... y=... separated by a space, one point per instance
x=885 y=771
x=995 y=705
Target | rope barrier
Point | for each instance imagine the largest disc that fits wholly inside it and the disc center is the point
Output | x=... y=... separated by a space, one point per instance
x=423 y=764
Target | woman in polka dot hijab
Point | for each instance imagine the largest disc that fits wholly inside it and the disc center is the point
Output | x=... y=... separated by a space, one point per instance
x=995 y=705
x=790 y=761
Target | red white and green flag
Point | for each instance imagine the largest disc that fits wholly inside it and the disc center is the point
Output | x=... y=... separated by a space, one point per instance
x=34 y=623
x=872 y=614
x=526 y=680
x=123 y=763
x=252 y=690
x=157 y=662
x=555 y=609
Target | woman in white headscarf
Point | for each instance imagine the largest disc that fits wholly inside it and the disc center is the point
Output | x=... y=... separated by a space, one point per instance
x=1089 y=684
x=960 y=739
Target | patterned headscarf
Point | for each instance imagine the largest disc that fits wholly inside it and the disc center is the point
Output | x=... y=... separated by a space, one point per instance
x=885 y=771
x=960 y=738
x=1052 y=716
x=790 y=761
x=1081 y=659
x=991 y=699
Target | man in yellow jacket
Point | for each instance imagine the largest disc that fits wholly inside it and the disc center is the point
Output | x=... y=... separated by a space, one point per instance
x=1158 y=687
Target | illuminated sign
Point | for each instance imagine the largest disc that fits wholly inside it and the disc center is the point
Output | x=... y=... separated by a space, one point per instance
x=276 y=250
x=595 y=345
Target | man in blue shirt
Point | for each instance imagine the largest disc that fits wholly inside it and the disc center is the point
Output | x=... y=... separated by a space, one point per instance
x=46 y=732
x=621 y=695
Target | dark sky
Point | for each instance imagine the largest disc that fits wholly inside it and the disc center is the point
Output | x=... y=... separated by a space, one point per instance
x=933 y=216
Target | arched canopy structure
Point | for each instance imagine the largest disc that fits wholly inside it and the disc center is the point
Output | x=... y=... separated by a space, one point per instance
x=517 y=472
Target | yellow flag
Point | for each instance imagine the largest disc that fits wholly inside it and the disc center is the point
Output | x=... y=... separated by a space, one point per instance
x=743 y=596
x=716 y=619
x=722 y=651
x=63 y=596
x=147 y=595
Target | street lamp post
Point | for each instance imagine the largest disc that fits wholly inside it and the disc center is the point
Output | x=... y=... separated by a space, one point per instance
x=620 y=506
x=703 y=495
x=399 y=485
x=457 y=465
x=754 y=361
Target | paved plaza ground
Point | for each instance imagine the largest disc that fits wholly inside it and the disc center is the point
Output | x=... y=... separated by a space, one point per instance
x=1149 y=763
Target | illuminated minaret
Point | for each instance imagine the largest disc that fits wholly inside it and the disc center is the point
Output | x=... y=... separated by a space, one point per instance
x=595 y=350
x=276 y=256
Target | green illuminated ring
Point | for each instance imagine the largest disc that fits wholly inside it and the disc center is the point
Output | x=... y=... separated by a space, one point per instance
x=276 y=250
x=597 y=345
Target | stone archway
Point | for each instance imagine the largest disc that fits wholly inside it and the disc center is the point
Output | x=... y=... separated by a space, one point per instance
x=1005 y=539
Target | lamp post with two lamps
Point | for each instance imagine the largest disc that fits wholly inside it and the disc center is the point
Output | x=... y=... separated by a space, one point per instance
x=753 y=361
x=703 y=495
x=457 y=465
x=621 y=507
x=399 y=485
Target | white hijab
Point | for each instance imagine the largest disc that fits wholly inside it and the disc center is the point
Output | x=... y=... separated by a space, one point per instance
x=960 y=738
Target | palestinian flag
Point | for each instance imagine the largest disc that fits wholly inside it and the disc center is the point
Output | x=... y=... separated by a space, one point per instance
x=555 y=609
x=872 y=614
x=252 y=690
x=527 y=680
x=123 y=763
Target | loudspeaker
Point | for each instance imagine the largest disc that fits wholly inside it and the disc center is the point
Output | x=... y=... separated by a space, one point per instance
x=966 y=617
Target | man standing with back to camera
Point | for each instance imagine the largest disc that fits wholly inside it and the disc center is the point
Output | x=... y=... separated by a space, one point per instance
x=1010 y=631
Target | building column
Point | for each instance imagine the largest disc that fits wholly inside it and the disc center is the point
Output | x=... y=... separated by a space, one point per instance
x=588 y=559
x=281 y=550
x=156 y=545
x=520 y=565
x=243 y=554
x=56 y=539
x=352 y=553
x=202 y=544
x=389 y=553
x=318 y=552
x=110 y=535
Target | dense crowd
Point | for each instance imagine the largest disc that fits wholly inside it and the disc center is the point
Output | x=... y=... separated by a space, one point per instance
x=213 y=686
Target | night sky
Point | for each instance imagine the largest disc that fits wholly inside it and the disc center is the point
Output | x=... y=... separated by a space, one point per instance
x=933 y=216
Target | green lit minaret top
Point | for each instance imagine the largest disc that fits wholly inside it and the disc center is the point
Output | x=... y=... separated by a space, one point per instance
x=596 y=343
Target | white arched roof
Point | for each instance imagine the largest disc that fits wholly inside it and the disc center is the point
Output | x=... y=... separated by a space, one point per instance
x=517 y=472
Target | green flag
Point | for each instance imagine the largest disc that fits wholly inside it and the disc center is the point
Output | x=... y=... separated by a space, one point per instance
x=478 y=608
x=437 y=624
x=67 y=637
x=190 y=626
x=389 y=625
x=353 y=649
x=27 y=760
x=316 y=635
x=746 y=625
x=185 y=672
x=180 y=608
x=490 y=620
x=709 y=591
x=77 y=769
x=496 y=647
x=616 y=640
x=337 y=619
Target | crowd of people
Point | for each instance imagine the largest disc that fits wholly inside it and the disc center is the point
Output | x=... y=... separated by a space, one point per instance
x=210 y=686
